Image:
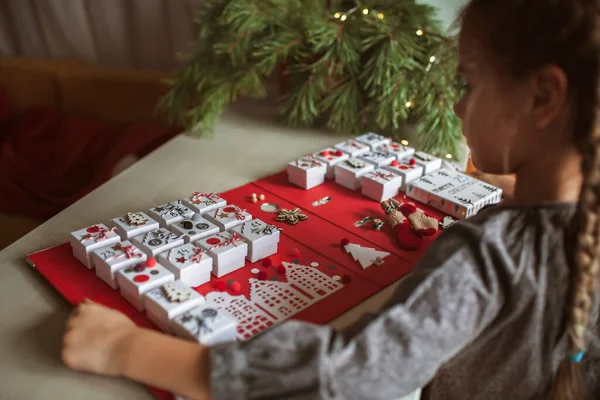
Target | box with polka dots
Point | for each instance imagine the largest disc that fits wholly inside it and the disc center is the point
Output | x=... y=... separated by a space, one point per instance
x=228 y=216
x=135 y=281
x=167 y=214
x=205 y=324
x=228 y=250
x=330 y=157
x=157 y=241
x=190 y=264
x=134 y=224
x=164 y=303
x=261 y=237
x=201 y=202
x=85 y=241
x=194 y=228
x=409 y=170
x=111 y=259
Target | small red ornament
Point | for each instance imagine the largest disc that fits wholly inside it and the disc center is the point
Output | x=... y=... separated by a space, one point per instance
x=141 y=278
x=262 y=275
x=151 y=262
x=344 y=242
x=181 y=260
x=281 y=270
x=325 y=153
x=339 y=153
x=235 y=286
x=412 y=161
x=346 y=279
x=93 y=229
x=229 y=209
x=395 y=163
x=267 y=262
x=295 y=252
x=213 y=241
x=221 y=285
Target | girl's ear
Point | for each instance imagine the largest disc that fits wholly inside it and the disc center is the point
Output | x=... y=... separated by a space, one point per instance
x=550 y=89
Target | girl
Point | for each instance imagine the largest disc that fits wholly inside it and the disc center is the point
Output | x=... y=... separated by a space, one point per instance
x=502 y=306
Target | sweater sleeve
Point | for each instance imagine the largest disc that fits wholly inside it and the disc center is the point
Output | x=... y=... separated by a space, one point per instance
x=454 y=293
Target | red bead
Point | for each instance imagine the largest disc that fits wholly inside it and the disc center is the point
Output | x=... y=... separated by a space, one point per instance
x=235 y=286
x=213 y=241
x=229 y=209
x=295 y=252
x=267 y=262
x=325 y=153
x=344 y=242
x=262 y=275
x=151 y=262
x=412 y=161
x=141 y=278
x=346 y=279
x=281 y=270
x=395 y=163
x=339 y=153
x=221 y=285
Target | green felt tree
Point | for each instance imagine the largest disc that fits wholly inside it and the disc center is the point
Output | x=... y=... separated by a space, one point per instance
x=356 y=66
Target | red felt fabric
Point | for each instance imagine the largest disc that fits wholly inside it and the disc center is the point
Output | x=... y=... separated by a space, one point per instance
x=49 y=160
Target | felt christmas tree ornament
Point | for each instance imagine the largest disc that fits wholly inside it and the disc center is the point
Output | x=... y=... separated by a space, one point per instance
x=407 y=238
x=422 y=223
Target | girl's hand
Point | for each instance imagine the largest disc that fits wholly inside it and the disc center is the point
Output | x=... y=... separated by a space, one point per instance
x=96 y=339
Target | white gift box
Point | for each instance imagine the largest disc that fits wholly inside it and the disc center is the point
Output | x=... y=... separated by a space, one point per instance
x=85 y=241
x=453 y=193
x=398 y=150
x=111 y=259
x=135 y=281
x=167 y=214
x=190 y=264
x=377 y=158
x=352 y=147
x=381 y=185
x=307 y=172
x=349 y=172
x=157 y=241
x=261 y=237
x=330 y=157
x=228 y=250
x=204 y=202
x=134 y=224
x=206 y=325
x=228 y=216
x=194 y=228
x=409 y=172
x=373 y=140
x=168 y=301
x=427 y=161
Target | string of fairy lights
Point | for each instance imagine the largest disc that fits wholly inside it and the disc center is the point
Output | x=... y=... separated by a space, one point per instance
x=419 y=32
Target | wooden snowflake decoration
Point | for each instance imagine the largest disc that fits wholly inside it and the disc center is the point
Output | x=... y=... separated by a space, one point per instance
x=291 y=217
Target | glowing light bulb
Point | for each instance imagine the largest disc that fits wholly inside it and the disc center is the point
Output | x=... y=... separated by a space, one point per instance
x=419 y=33
x=365 y=11
x=343 y=17
x=408 y=104
x=432 y=59
x=404 y=142
x=380 y=16
x=448 y=155
x=337 y=15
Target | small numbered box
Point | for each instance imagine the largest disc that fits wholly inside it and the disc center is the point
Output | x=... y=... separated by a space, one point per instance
x=167 y=214
x=157 y=241
x=261 y=237
x=427 y=161
x=86 y=240
x=111 y=259
x=135 y=281
x=228 y=216
x=228 y=250
x=205 y=324
x=373 y=140
x=408 y=170
x=134 y=224
x=330 y=157
x=307 y=172
x=377 y=158
x=164 y=303
x=352 y=148
x=381 y=185
x=194 y=228
x=350 y=172
x=204 y=202
x=398 y=150
x=190 y=264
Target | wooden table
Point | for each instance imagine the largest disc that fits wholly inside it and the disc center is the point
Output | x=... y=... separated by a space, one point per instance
x=32 y=315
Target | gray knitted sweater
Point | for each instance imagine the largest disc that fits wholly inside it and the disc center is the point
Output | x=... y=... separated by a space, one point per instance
x=482 y=316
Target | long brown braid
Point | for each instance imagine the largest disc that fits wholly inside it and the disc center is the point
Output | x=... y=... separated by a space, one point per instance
x=526 y=35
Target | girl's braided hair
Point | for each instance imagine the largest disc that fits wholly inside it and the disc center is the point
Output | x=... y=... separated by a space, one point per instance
x=524 y=36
